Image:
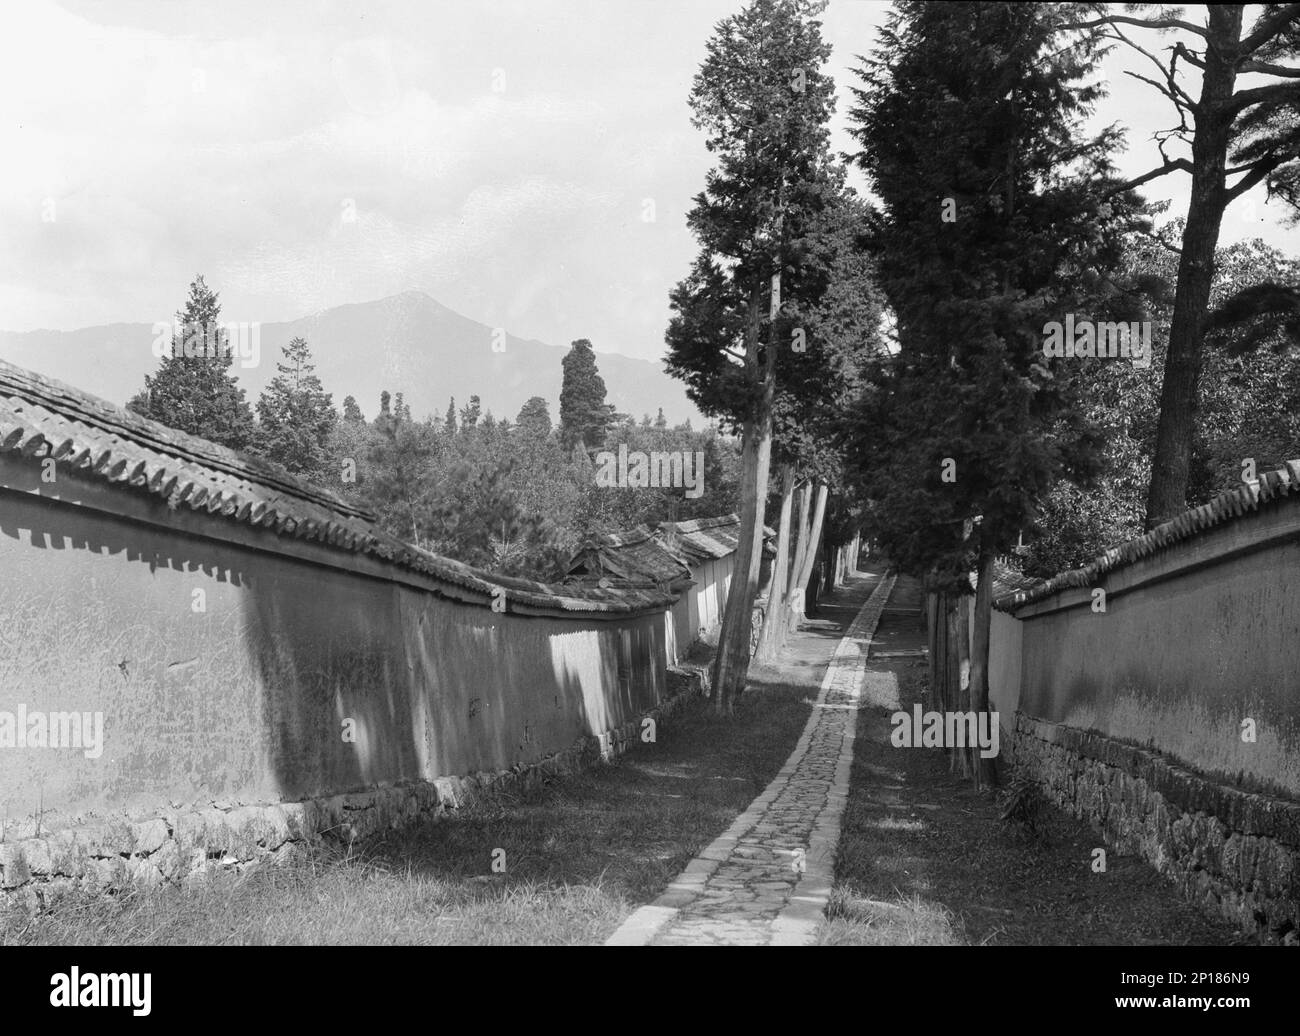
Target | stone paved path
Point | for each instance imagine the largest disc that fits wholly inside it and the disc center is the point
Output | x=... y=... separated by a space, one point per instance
x=767 y=879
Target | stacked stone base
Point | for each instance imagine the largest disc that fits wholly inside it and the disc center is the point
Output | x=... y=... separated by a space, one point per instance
x=184 y=847
x=1234 y=854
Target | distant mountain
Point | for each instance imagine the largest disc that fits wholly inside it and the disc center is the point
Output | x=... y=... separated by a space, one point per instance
x=407 y=343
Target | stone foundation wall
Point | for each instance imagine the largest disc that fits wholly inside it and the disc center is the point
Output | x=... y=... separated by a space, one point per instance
x=183 y=847
x=1233 y=853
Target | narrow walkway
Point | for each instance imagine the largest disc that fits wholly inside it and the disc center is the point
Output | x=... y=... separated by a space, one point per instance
x=767 y=879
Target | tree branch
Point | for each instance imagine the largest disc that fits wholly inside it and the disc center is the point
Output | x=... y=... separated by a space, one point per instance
x=1174 y=88
x=1269 y=69
x=1168 y=167
x=1246 y=98
x=1144 y=23
x=1181 y=50
x=1259 y=170
x=1172 y=97
x=1268 y=26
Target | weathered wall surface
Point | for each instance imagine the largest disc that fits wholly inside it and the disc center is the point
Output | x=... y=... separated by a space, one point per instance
x=226 y=663
x=1004 y=669
x=703 y=604
x=1193 y=641
x=1171 y=719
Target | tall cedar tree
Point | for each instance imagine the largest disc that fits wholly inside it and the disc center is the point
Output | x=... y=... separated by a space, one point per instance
x=197 y=393
x=296 y=415
x=1256 y=128
x=764 y=102
x=584 y=414
x=836 y=302
x=979 y=103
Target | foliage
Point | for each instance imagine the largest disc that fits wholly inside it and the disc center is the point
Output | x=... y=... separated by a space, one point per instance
x=193 y=390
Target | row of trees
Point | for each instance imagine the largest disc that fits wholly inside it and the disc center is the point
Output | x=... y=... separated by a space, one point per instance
x=892 y=354
x=516 y=498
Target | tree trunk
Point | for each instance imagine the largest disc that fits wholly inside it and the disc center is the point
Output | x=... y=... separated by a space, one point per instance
x=939 y=655
x=801 y=538
x=979 y=663
x=959 y=672
x=731 y=664
x=772 y=638
x=1171 y=464
x=799 y=588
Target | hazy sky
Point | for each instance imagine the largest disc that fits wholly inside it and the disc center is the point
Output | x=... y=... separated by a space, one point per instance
x=528 y=163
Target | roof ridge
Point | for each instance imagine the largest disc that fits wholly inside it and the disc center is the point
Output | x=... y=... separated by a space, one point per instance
x=69 y=401
x=699 y=524
x=44 y=418
x=1228 y=505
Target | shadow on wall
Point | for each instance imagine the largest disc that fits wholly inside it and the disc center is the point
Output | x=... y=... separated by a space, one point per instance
x=230 y=675
x=431 y=687
x=203 y=698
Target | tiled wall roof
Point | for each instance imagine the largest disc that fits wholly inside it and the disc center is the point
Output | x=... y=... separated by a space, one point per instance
x=634 y=555
x=1250 y=496
x=41 y=417
x=706 y=539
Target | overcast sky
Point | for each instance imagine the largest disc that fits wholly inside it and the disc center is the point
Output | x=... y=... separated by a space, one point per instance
x=527 y=163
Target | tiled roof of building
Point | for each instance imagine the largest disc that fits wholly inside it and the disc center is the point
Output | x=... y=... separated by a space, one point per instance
x=632 y=556
x=41 y=417
x=1250 y=496
x=706 y=539
x=1008 y=580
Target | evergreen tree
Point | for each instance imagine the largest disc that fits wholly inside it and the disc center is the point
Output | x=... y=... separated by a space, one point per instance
x=296 y=415
x=469 y=414
x=584 y=414
x=995 y=221
x=193 y=390
x=764 y=101
x=385 y=422
x=1257 y=127
x=449 y=423
x=352 y=412
x=534 y=419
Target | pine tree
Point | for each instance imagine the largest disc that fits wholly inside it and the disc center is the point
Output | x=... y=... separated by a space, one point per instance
x=1256 y=126
x=296 y=415
x=193 y=390
x=449 y=423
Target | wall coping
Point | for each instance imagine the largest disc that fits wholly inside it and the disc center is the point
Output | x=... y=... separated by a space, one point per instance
x=139 y=461
x=1254 y=498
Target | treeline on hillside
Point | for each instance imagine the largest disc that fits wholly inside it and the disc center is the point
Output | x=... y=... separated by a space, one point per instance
x=514 y=497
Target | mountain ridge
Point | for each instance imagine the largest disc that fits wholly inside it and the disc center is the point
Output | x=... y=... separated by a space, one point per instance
x=408 y=342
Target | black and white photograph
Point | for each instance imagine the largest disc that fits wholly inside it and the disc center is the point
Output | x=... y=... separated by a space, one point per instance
x=611 y=473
